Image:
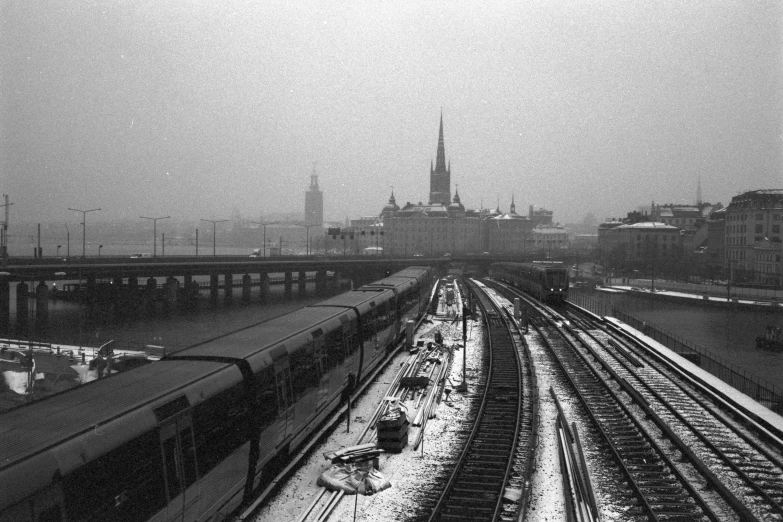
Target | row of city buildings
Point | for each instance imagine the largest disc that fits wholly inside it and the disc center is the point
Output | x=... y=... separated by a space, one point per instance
x=741 y=242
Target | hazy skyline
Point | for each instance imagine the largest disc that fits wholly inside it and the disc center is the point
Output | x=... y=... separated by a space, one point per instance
x=194 y=109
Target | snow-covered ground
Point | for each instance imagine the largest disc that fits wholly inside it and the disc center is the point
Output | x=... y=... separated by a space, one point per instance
x=410 y=471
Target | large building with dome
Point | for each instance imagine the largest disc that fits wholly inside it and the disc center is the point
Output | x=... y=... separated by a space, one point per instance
x=443 y=225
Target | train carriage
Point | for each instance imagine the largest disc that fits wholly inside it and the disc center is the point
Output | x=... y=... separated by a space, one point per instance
x=189 y=437
x=547 y=281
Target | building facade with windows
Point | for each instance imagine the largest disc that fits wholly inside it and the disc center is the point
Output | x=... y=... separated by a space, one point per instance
x=753 y=243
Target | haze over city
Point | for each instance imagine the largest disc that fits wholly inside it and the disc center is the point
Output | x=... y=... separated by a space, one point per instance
x=193 y=109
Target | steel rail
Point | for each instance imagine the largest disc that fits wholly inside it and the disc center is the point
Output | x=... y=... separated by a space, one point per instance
x=461 y=497
x=742 y=468
x=627 y=455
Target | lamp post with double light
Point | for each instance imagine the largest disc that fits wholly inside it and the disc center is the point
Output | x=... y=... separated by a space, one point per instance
x=154 y=232
x=84 y=227
x=264 y=225
x=308 y=227
x=214 y=223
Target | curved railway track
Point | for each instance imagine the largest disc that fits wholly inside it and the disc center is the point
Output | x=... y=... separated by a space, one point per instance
x=738 y=460
x=475 y=489
x=658 y=487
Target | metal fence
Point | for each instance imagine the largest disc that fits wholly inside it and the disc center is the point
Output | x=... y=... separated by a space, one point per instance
x=759 y=389
x=736 y=292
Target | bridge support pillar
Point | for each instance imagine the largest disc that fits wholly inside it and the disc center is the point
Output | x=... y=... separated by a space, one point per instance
x=119 y=297
x=213 y=289
x=171 y=292
x=264 y=286
x=21 y=308
x=91 y=294
x=189 y=293
x=288 y=284
x=5 y=306
x=335 y=284
x=149 y=295
x=228 y=287
x=320 y=283
x=41 y=304
x=302 y=283
x=246 y=285
x=133 y=294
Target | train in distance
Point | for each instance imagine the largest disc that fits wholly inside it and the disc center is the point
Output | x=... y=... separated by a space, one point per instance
x=547 y=281
x=192 y=436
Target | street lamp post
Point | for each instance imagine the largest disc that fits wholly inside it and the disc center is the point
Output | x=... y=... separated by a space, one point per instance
x=154 y=232
x=68 y=242
x=99 y=251
x=214 y=222
x=308 y=227
x=264 y=225
x=84 y=227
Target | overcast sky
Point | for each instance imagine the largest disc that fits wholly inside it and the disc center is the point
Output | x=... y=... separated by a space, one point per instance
x=196 y=108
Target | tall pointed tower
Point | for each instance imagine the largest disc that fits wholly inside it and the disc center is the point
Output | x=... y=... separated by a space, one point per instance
x=314 y=202
x=440 y=176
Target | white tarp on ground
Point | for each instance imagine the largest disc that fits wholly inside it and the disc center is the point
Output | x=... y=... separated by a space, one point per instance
x=352 y=477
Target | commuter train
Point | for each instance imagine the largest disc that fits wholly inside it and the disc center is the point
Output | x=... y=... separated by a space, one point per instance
x=190 y=437
x=547 y=281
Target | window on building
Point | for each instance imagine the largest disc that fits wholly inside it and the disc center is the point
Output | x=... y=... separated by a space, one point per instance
x=759 y=217
x=759 y=229
x=776 y=229
x=775 y=217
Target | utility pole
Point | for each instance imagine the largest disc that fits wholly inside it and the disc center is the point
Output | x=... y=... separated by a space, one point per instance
x=154 y=232
x=264 y=225
x=214 y=222
x=4 y=235
x=84 y=227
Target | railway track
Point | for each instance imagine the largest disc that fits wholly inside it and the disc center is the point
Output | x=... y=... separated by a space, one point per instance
x=748 y=468
x=658 y=488
x=734 y=465
x=501 y=435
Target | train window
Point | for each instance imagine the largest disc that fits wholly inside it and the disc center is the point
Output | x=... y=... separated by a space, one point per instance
x=304 y=376
x=221 y=426
x=266 y=396
x=351 y=338
x=319 y=350
x=335 y=349
x=126 y=484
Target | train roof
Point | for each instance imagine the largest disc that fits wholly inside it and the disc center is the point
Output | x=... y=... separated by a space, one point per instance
x=258 y=338
x=30 y=429
x=291 y=330
x=395 y=282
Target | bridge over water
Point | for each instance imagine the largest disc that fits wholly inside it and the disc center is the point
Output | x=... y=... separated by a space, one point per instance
x=127 y=284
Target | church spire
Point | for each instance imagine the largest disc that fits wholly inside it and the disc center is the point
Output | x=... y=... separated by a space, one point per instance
x=513 y=207
x=440 y=159
x=440 y=175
